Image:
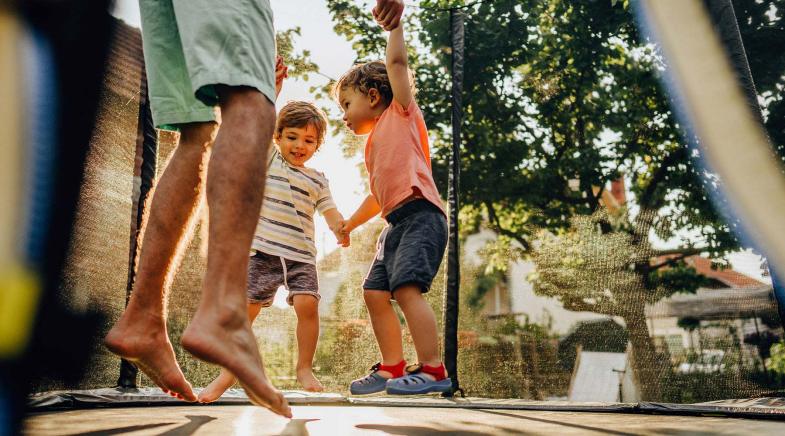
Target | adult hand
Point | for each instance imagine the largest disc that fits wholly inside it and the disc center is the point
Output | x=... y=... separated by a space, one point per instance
x=388 y=13
x=281 y=72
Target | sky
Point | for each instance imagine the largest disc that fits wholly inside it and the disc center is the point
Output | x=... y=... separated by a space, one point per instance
x=334 y=56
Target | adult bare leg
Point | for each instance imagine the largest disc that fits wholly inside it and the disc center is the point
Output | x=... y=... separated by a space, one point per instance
x=225 y=379
x=140 y=334
x=219 y=332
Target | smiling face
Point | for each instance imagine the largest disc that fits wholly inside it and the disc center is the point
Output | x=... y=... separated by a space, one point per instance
x=360 y=111
x=298 y=144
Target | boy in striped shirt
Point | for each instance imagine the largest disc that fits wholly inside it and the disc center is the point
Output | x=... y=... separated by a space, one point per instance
x=283 y=250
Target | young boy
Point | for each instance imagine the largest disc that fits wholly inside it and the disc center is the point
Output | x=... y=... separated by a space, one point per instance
x=377 y=99
x=283 y=250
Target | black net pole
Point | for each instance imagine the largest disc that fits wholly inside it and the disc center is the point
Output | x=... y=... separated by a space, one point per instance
x=724 y=19
x=145 y=165
x=453 y=263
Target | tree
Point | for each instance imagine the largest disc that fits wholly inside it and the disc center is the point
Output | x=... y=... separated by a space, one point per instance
x=562 y=98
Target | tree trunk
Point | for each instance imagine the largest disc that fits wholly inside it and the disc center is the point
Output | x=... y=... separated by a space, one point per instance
x=649 y=367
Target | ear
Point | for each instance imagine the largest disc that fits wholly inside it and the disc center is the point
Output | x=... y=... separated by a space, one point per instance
x=374 y=97
x=277 y=136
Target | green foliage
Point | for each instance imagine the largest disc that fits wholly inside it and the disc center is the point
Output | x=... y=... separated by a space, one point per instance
x=777 y=360
x=763 y=30
x=300 y=64
x=679 y=278
x=482 y=284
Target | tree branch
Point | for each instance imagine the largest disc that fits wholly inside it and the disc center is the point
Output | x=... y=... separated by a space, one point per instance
x=494 y=219
x=659 y=175
x=689 y=251
x=680 y=254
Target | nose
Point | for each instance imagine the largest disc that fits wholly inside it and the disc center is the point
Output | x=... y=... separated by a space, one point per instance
x=345 y=118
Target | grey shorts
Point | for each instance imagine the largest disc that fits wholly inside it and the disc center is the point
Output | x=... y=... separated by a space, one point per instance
x=192 y=45
x=266 y=273
x=410 y=248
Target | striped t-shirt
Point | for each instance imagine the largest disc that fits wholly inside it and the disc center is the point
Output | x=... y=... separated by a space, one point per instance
x=292 y=195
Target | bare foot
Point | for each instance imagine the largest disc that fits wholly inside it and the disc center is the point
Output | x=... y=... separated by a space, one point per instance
x=214 y=390
x=308 y=381
x=142 y=340
x=231 y=344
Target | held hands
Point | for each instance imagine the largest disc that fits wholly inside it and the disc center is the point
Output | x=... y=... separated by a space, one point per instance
x=388 y=13
x=281 y=72
x=341 y=233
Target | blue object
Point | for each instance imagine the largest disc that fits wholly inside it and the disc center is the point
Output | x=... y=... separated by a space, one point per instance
x=370 y=384
x=418 y=383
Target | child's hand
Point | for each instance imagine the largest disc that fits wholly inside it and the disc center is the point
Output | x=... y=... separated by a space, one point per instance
x=341 y=236
x=281 y=72
x=344 y=240
x=388 y=13
x=341 y=233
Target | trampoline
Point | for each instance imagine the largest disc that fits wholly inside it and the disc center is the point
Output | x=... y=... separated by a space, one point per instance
x=627 y=357
x=317 y=419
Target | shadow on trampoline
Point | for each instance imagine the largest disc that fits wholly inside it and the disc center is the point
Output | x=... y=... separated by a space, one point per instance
x=550 y=421
x=195 y=422
x=122 y=430
x=410 y=430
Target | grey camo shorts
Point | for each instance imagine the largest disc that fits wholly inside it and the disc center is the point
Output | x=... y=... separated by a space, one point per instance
x=266 y=273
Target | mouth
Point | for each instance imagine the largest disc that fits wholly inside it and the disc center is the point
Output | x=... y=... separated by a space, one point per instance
x=296 y=155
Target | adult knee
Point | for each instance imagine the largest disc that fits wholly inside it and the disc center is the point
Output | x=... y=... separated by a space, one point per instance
x=246 y=105
x=199 y=135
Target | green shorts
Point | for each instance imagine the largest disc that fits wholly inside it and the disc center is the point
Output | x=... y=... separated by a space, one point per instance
x=192 y=45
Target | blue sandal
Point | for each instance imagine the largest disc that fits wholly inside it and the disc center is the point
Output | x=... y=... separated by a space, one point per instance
x=370 y=384
x=415 y=383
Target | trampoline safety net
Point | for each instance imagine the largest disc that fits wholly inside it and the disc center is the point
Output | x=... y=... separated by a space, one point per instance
x=597 y=261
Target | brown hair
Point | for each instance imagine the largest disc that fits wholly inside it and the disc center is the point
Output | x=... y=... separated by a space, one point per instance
x=367 y=76
x=302 y=114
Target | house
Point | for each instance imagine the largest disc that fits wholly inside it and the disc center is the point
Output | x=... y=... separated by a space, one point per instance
x=729 y=308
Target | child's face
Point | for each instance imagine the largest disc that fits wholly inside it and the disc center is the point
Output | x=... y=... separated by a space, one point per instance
x=298 y=144
x=359 y=110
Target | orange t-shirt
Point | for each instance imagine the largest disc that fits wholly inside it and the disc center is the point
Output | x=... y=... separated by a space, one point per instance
x=398 y=159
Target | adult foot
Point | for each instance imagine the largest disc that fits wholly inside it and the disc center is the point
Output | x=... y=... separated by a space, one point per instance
x=229 y=342
x=308 y=381
x=142 y=340
x=214 y=390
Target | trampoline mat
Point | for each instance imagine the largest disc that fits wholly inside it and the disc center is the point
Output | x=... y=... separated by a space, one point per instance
x=360 y=419
x=150 y=411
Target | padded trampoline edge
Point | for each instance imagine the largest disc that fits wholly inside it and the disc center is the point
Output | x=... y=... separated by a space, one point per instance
x=757 y=408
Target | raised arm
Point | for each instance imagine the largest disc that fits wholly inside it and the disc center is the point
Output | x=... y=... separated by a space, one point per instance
x=398 y=67
x=388 y=13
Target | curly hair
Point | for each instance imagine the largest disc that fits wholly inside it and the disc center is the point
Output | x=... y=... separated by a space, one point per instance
x=367 y=76
x=302 y=114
